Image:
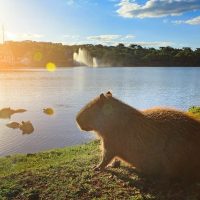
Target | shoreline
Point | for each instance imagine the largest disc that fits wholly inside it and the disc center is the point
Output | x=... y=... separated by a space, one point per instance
x=68 y=173
x=192 y=111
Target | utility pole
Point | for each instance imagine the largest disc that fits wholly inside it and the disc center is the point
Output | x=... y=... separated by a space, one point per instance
x=3 y=34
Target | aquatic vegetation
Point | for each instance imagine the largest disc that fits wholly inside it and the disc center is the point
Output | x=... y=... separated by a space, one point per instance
x=6 y=113
x=13 y=125
x=48 y=111
x=20 y=110
x=26 y=127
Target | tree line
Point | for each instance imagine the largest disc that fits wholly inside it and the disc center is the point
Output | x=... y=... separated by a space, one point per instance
x=136 y=55
x=37 y=54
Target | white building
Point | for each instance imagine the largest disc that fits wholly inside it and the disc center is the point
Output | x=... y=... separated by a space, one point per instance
x=6 y=56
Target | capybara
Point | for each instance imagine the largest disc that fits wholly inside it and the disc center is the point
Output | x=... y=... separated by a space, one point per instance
x=157 y=142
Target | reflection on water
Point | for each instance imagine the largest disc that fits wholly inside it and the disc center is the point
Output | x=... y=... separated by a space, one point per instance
x=67 y=90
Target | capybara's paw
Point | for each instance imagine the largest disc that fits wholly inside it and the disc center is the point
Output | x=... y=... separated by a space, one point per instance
x=98 y=168
x=115 y=164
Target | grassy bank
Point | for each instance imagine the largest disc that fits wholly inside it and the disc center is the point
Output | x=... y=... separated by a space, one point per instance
x=67 y=174
x=195 y=111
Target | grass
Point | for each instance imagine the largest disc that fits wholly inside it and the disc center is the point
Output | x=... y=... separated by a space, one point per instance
x=195 y=111
x=68 y=173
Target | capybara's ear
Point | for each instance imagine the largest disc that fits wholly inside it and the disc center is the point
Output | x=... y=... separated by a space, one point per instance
x=109 y=93
x=102 y=96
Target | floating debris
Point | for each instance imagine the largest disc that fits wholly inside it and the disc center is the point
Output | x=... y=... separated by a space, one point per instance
x=13 y=125
x=6 y=113
x=48 y=111
x=26 y=127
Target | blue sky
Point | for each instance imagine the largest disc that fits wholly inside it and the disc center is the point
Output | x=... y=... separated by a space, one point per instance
x=147 y=22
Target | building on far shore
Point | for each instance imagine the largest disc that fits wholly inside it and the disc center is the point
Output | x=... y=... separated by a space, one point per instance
x=7 y=57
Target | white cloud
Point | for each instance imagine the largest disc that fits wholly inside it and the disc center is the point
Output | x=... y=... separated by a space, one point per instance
x=127 y=39
x=70 y=2
x=193 y=21
x=156 y=8
x=104 y=38
x=31 y=36
x=154 y=44
x=109 y=39
x=129 y=36
x=71 y=36
x=22 y=36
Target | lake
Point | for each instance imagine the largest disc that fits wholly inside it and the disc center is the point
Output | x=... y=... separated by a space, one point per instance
x=67 y=90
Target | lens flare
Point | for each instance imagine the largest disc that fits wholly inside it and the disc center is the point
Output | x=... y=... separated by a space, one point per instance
x=51 y=67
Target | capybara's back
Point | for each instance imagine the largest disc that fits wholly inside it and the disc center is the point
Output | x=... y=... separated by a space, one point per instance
x=178 y=137
x=161 y=142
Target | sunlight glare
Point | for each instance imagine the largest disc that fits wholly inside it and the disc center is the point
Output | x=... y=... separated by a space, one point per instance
x=51 y=67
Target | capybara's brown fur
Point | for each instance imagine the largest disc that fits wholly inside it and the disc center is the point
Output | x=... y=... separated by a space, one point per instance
x=160 y=142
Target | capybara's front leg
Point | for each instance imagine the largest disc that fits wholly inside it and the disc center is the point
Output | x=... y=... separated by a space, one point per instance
x=116 y=163
x=107 y=157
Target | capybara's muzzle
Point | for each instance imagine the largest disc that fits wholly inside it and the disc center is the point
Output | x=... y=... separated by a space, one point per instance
x=82 y=124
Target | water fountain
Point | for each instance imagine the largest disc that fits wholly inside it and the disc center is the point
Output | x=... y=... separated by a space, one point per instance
x=84 y=57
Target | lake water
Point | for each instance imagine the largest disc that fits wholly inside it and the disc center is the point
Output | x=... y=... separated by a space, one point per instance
x=67 y=90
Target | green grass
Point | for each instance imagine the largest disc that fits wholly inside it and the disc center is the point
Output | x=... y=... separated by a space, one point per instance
x=195 y=110
x=68 y=173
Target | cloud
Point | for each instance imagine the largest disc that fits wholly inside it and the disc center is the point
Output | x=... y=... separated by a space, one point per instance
x=156 y=8
x=114 y=40
x=71 y=36
x=31 y=36
x=104 y=38
x=154 y=44
x=193 y=21
x=110 y=39
x=23 y=36
x=70 y=2
x=79 y=2
x=129 y=36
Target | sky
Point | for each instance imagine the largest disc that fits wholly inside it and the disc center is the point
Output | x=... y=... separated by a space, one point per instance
x=150 y=23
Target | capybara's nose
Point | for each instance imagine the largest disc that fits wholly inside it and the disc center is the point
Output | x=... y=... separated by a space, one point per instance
x=78 y=119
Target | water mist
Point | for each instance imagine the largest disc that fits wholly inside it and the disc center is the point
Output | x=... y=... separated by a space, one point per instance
x=84 y=57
